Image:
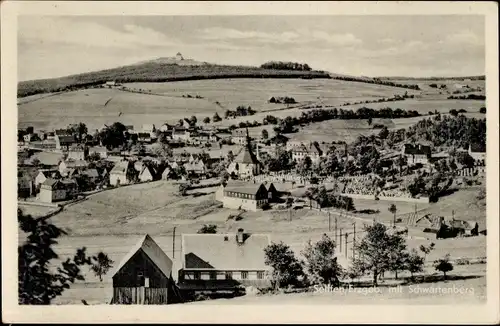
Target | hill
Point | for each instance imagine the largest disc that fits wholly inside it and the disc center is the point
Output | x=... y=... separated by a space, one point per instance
x=158 y=70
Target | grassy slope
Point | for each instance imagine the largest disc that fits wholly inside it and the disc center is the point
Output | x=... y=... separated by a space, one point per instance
x=154 y=71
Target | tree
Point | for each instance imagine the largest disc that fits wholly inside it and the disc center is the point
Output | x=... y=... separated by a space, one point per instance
x=454 y=112
x=443 y=265
x=216 y=117
x=384 y=132
x=482 y=110
x=286 y=267
x=230 y=156
x=38 y=283
x=378 y=249
x=206 y=120
x=102 y=264
x=414 y=263
x=304 y=166
x=183 y=188
x=427 y=250
x=265 y=134
x=208 y=229
x=321 y=263
x=370 y=120
x=393 y=209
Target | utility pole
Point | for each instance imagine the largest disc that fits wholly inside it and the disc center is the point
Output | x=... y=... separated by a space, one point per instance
x=329 y=222
x=353 y=239
x=346 y=244
x=336 y=236
x=290 y=209
x=173 y=243
x=340 y=242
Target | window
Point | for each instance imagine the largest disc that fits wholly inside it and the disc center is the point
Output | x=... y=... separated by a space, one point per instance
x=229 y=275
x=196 y=275
x=260 y=275
x=244 y=275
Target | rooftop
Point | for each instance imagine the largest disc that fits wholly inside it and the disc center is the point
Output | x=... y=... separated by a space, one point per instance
x=223 y=252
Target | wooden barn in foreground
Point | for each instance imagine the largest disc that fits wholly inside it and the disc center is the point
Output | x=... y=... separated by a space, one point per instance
x=144 y=276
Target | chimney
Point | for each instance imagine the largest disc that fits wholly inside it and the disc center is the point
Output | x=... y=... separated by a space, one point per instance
x=239 y=236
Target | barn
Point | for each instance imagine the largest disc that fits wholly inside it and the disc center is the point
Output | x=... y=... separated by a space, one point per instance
x=144 y=276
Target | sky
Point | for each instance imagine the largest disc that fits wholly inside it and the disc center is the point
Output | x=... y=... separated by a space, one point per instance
x=414 y=46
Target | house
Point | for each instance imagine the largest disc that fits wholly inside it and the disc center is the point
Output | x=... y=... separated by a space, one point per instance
x=196 y=167
x=50 y=135
x=130 y=129
x=44 y=174
x=77 y=152
x=99 y=150
x=478 y=153
x=223 y=262
x=146 y=174
x=246 y=163
x=239 y=136
x=166 y=127
x=64 y=140
x=31 y=137
x=224 y=136
x=119 y=174
x=92 y=174
x=144 y=276
x=111 y=83
x=52 y=190
x=466 y=228
x=64 y=166
x=144 y=137
x=417 y=153
x=312 y=150
x=25 y=185
x=428 y=223
x=243 y=195
x=181 y=134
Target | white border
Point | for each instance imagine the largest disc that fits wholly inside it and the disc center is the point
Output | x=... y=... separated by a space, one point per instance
x=487 y=313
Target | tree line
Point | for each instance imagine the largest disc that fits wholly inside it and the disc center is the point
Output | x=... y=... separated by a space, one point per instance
x=377 y=81
x=281 y=65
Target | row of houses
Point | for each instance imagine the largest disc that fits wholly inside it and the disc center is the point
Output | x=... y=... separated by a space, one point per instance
x=209 y=262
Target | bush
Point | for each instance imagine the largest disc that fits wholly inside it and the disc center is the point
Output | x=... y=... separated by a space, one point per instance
x=208 y=229
x=462 y=261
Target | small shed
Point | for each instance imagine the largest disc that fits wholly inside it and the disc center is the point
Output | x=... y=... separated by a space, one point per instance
x=144 y=276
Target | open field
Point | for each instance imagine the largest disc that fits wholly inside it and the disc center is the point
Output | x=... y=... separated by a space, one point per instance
x=114 y=220
x=88 y=105
x=424 y=105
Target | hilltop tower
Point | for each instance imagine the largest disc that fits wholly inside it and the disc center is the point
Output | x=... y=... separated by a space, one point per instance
x=179 y=56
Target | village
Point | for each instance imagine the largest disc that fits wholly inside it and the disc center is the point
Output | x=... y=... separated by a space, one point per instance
x=258 y=173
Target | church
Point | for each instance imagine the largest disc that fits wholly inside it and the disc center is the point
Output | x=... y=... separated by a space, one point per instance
x=246 y=164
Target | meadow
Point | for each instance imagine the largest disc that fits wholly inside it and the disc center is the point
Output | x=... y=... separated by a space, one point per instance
x=88 y=106
x=113 y=220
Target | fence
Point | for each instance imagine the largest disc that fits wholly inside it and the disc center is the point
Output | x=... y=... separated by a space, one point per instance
x=139 y=295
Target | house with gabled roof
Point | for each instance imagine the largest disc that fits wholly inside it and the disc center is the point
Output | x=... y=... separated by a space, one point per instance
x=119 y=174
x=64 y=140
x=146 y=174
x=52 y=190
x=417 y=153
x=225 y=261
x=144 y=276
x=44 y=174
x=77 y=152
x=244 y=195
x=478 y=153
x=311 y=150
x=65 y=166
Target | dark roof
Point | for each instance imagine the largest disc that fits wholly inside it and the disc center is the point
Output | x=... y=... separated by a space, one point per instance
x=91 y=173
x=144 y=135
x=478 y=148
x=222 y=252
x=246 y=156
x=244 y=187
x=417 y=149
x=66 y=139
x=50 y=182
x=153 y=251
